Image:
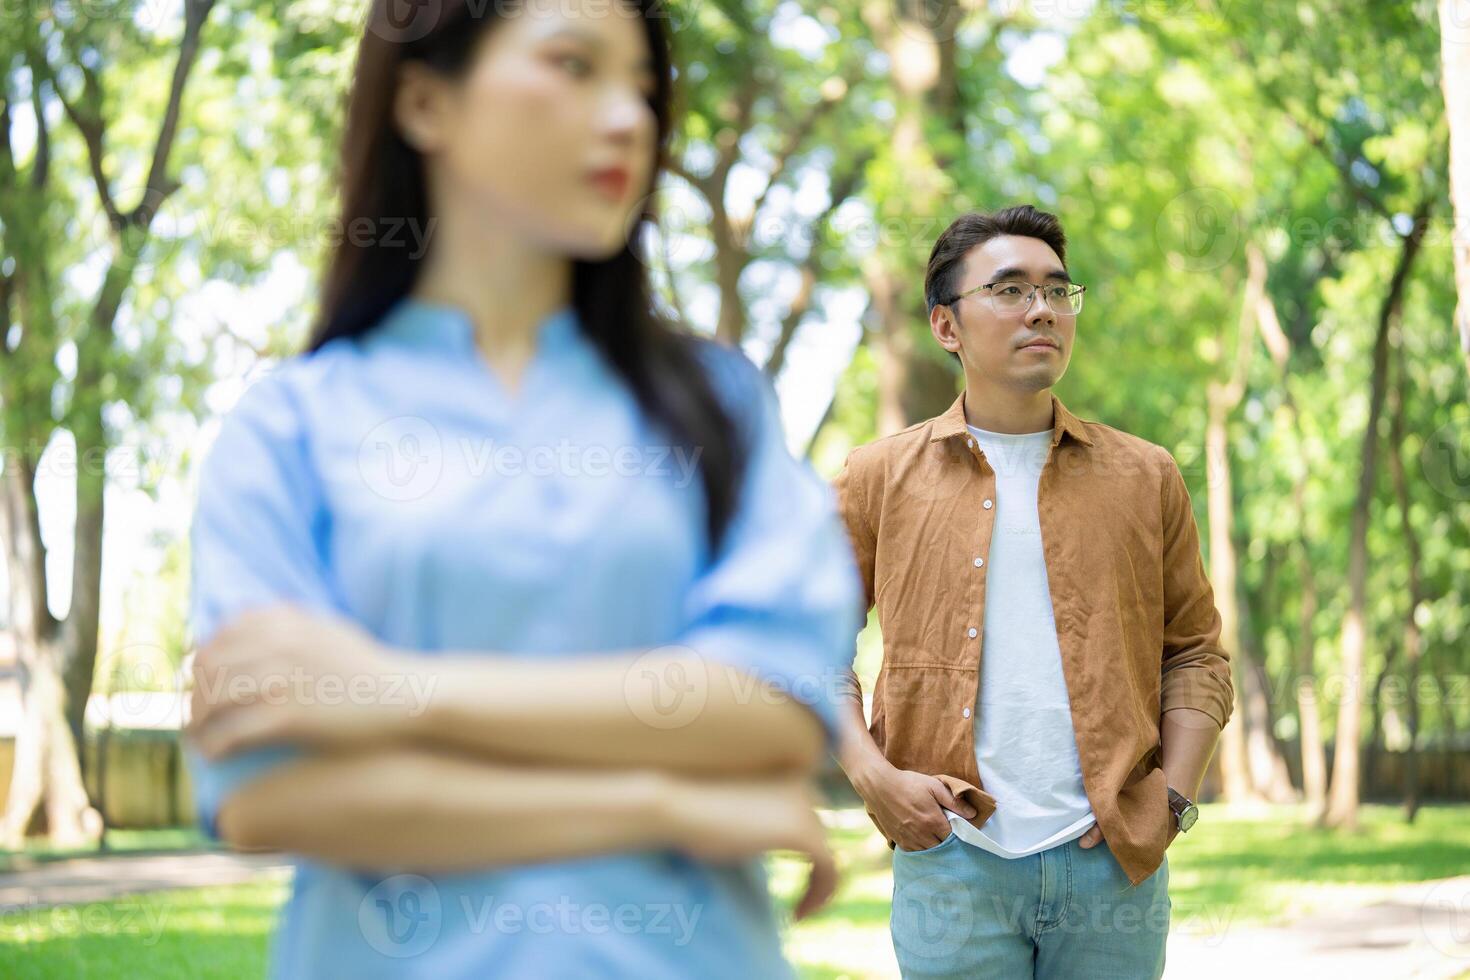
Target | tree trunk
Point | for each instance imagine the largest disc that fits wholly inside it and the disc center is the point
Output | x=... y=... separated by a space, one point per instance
x=1344 y=793
x=1412 y=640
x=80 y=631
x=913 y=384
x=1221 y=398
x=1374 y=746
x=730 y=260
x=1235 y=781
x=1309 y=718
x=892 y=350
x=1309 y=721
x=1454 y=33
x=931 y=388
x=1269 y=775
x=46 y=779
x=46 y=775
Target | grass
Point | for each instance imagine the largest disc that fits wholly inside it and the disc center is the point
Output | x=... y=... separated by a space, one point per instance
x=1269 y=870
x=1237 y=868
x=185 y=934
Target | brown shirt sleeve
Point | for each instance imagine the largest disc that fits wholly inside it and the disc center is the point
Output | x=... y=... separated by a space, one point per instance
x=1196 y=668
x=852 y=503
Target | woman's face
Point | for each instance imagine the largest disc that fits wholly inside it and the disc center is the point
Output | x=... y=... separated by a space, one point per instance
x=550 y=130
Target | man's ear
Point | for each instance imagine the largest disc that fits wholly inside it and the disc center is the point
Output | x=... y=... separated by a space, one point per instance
x=944 y=327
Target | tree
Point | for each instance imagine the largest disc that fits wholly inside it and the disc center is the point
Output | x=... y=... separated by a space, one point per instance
x=1454 y=31
x=762 y=114
x=57 y=655
x=131 y=116
x=1342 y=800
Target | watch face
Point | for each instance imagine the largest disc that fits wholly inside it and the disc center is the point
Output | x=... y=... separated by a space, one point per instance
x=1188 y=817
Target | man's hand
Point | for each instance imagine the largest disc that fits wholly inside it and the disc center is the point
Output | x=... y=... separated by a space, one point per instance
x=281 y=674
x=907 y=805
x=1094 y=835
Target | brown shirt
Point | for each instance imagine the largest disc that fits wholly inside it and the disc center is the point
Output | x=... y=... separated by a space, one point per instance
x=1135 y=614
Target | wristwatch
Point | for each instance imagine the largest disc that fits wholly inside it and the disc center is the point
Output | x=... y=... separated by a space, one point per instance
x=1185 y=812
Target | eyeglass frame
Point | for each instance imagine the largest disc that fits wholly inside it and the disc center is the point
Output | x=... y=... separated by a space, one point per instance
x=1035 y=288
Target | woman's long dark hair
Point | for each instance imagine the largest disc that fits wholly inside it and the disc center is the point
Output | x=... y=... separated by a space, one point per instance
x=383 y=181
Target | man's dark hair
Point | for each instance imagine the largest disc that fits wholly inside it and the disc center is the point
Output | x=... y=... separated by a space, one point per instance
x=947 y=259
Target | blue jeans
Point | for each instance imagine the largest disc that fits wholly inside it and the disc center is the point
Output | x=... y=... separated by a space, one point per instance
x=1066 y=912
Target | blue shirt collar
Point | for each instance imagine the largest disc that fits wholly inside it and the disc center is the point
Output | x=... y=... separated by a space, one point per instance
x=445 y=326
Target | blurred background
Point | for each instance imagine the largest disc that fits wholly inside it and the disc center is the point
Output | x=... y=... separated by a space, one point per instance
x=1262 y=199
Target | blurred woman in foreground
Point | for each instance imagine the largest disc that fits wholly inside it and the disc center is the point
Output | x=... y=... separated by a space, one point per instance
x=517 y=622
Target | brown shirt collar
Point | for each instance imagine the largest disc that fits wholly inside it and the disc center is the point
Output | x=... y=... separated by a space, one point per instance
x=952 y=423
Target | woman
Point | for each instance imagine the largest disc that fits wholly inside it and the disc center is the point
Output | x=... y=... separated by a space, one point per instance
x=517 y=623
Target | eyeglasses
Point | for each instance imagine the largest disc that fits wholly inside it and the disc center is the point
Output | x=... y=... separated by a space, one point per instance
x=1016 y=295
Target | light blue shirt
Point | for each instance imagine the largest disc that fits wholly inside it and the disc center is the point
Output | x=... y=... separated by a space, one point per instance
x=396 y=480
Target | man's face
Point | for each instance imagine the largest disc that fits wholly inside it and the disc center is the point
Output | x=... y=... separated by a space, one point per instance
x=1000 y=346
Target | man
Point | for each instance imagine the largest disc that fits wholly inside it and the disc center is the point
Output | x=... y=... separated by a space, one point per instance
x=1052 y=683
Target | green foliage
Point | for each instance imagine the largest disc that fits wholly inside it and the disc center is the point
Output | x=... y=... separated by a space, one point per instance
x=1170 y=138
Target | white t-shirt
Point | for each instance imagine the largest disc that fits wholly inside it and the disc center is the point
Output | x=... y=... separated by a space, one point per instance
x=1025 y=746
